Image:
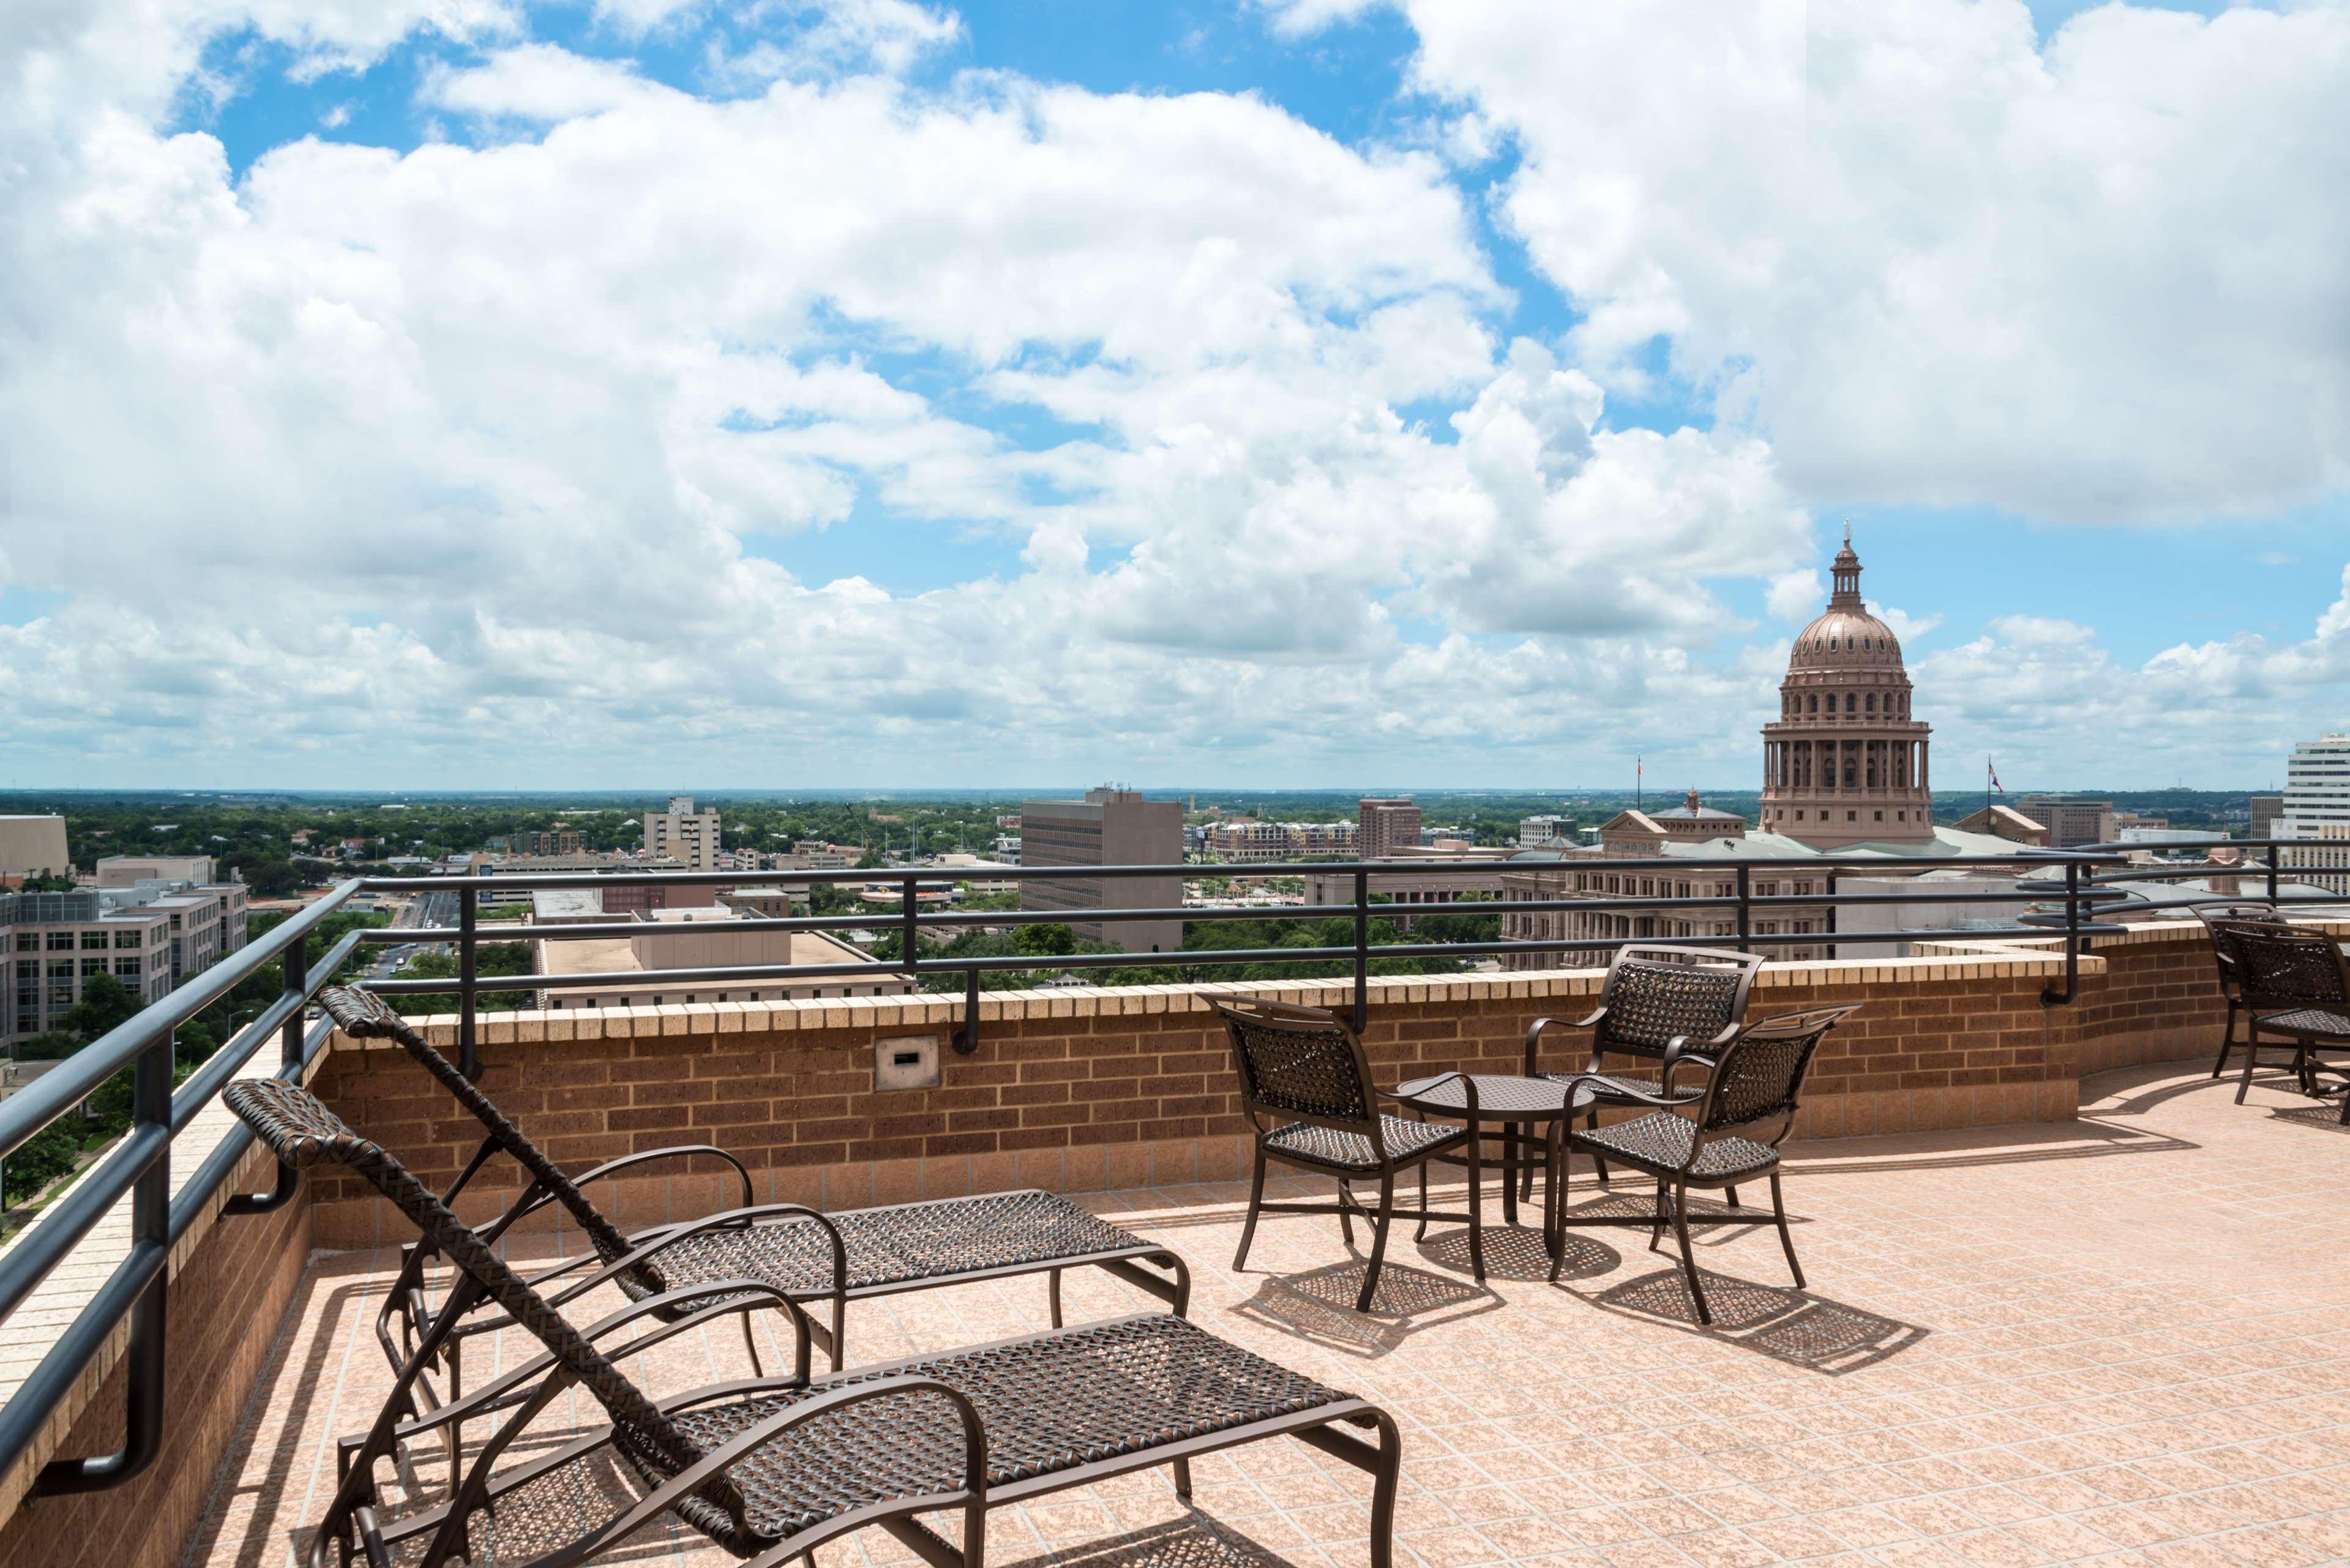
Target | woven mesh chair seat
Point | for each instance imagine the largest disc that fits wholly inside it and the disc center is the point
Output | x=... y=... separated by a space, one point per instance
x=1336 y=1148
x=2311 y=1022
x=1052 y=1403
x=889 y=1246
x=1660 y=1142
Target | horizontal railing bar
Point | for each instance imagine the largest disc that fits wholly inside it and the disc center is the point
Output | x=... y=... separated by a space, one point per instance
x=66 y=1086
x=39 y=1251
x=1186 y=871
x=640 y=979
x=934 y=919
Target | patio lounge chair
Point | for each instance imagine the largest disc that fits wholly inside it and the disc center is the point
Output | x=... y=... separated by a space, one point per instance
x=1738 y=1121
x=840 y=1257
x=1306 y=1085
x=769 y=1469
x=2296 y=984
x=1660 y=1005
x=2255 y=911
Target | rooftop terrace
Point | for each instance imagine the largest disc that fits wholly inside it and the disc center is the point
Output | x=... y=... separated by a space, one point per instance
x=2116 y=1341
x=2067 y=1301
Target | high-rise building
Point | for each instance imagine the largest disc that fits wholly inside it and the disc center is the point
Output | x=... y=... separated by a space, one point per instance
x=688 y=835
x=2266 y=810
x=2317 y=807
x=1108 y=827
x=2317 y=785
x=34 y=846
x=2070 y=820
x=1534 y=832
x=1384 y=826
x=1844 y=763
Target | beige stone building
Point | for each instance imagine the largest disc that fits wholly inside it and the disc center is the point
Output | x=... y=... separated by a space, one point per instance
x=635 y=956
x=1108 y=827
x=688 y=835
x=34 y=846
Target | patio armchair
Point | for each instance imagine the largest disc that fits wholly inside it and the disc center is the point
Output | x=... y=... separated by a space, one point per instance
x=2256 y=911
x=2296 y=984
x=1665 y=1006
x=771 y=1468
x=835 y=1258
x=1732 y=1133
x=1306 y=1086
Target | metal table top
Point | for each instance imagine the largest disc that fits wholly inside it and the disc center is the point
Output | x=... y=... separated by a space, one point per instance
x=1501 y=1097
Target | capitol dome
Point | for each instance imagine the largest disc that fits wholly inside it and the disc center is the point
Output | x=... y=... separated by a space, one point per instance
x=1845 y=762
x=1844 y=636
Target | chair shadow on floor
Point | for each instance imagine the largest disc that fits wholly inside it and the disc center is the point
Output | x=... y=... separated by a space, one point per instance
x=1318 y=1306
x=1798 y=1328
x=1197 y=1541
x=2320 y=1115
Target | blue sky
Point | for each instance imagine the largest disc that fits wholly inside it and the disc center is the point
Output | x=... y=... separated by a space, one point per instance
x=1285 y=391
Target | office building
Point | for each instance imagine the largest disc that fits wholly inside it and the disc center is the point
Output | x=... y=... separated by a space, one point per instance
x=685 y=835
x=1541 y=832
x=2071 y=821
x=33 y=847
x=1384 y=826
x=1108 y=827
x=149 y=935
x=2317 y=808
x=2316 y=786
x=130 y=870
x=1245 y=838
x=2264 y=810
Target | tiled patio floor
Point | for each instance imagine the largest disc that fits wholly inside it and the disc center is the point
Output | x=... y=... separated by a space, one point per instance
x=2126 y=1340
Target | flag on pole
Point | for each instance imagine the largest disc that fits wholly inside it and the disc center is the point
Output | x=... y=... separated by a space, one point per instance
x=1996 y=787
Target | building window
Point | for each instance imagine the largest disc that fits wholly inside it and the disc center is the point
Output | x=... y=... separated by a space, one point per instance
x=126 y=938
x=90 y=940
x=1880 y=817
x=1816 y=702
x=60 y=941
x=1852 y=816
x=127 y=968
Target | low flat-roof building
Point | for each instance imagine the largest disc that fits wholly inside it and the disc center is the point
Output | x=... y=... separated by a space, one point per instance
x=635 y=955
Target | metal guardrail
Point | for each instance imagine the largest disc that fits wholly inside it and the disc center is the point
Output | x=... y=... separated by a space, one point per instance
x=2074 y=884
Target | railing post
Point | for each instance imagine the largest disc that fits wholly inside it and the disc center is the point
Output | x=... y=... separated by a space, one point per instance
x=1745 y=911
x=150 y=1230
x=468 y=1058
x=1362 y=950
x=2274 y=858
x=297 y=980
x=911 y=939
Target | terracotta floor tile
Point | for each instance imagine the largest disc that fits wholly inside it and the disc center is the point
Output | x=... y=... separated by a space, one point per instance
x=2129 y=1354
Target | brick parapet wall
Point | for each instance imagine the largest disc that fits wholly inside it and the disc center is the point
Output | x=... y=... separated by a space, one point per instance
x=232 y=1281
x=1098 y=1088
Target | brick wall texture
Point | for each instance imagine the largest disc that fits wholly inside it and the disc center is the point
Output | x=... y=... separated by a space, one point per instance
x=228 y=1296
x=1091 y=1089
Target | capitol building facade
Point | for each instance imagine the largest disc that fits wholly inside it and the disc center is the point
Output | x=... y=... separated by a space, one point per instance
x=1846 y=777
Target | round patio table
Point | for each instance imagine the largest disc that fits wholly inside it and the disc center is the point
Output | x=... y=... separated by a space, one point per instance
x=1527 y=1111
